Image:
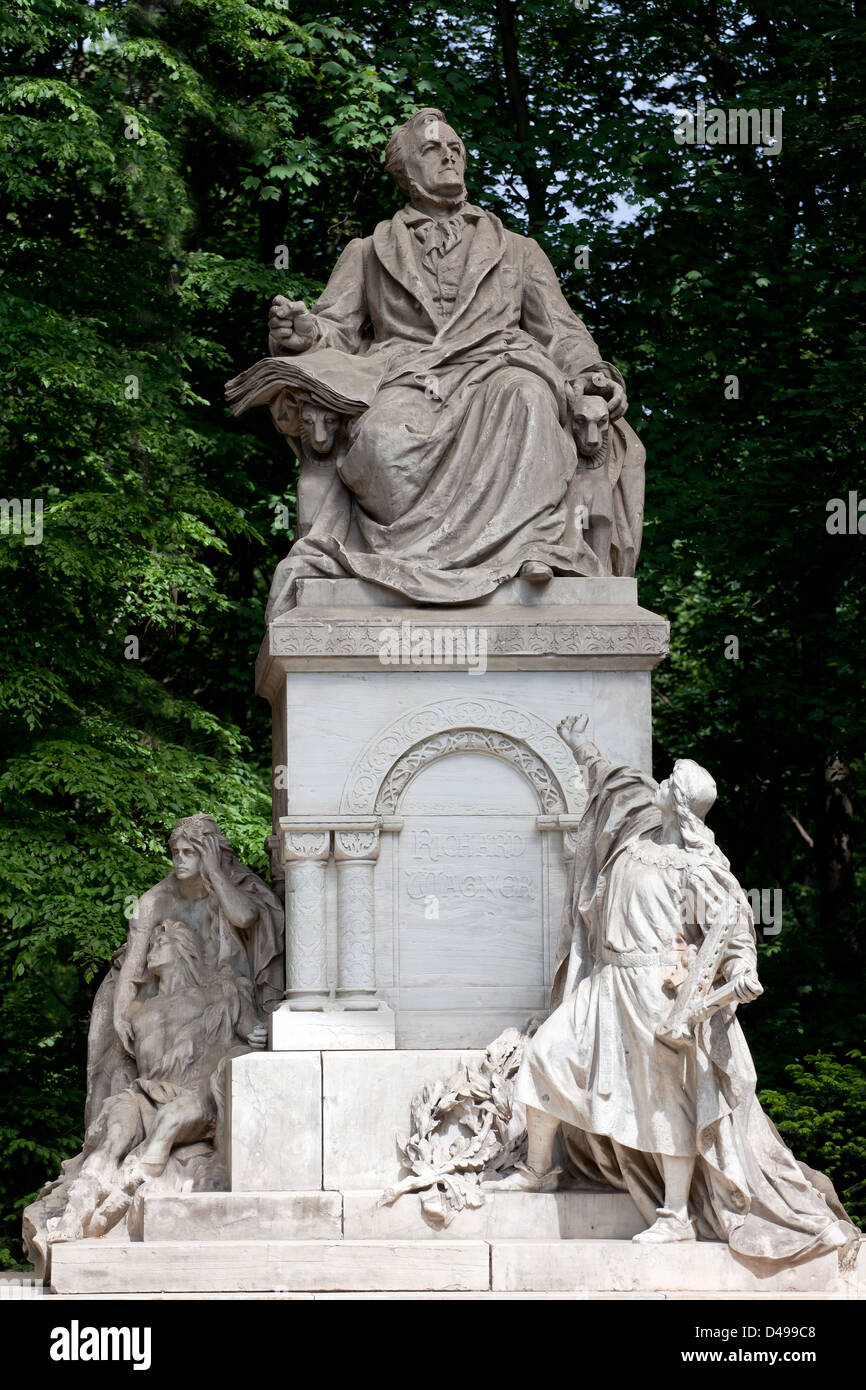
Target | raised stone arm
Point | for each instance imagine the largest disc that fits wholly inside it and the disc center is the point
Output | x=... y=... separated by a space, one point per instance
x=238 y=906
x=572 y=731
x=133 y=967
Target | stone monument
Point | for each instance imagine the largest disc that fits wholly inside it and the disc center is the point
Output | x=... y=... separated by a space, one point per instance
x=470 y=503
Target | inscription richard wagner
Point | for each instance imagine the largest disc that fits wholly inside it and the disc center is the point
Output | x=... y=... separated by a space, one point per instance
x=436 y=845
x=433 y=883
x=446 y=883
x=471 y=908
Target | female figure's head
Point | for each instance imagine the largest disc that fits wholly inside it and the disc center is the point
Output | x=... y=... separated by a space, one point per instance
x=175 y=947
x=186 y=844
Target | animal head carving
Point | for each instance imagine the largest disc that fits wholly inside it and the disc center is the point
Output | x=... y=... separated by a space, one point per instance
x=318 y=427
x=591 y=425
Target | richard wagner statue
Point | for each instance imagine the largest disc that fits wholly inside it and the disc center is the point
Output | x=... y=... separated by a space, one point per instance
x=445 y=382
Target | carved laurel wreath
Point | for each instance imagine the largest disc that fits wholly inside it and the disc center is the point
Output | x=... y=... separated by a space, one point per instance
x=461 y=1128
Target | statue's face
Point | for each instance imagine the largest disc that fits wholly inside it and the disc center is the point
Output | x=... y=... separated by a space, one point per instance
x=186 y=859
x=664 y=797
x=436 y=161
x=319 y=428
x=161 y=953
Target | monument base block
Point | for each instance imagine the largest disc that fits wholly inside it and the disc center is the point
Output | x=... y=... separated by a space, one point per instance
x=312 y=1138
x=425 y=805
x=334 y=1028
x=447 y=1264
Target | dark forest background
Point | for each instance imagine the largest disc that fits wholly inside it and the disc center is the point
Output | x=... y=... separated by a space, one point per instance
x=155 y=157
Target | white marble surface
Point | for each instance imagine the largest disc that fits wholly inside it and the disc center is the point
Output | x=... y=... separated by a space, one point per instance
x=505 y=1216
x=623 y=1267
x=332 y=716
x=240 y=1216
x=580 y=1268
x=469 y=879
x=333 y=1028
x=246 y=1266
x=274 y=1121
x=366 y=1098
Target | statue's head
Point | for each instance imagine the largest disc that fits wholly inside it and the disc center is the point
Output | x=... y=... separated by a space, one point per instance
x=187 y=840
x=689 y=790
x=692 y=787
x=684 y=799
x=174 y=943
x=427 y=156
x=318 y=427
x=591 y=423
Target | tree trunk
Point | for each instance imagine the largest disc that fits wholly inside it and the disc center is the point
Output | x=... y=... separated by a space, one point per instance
x=834 y=851
x=527 y=167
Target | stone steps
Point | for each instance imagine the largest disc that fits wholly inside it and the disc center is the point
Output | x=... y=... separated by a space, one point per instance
x=441 y=1265
x=356 y=1215
x=249 y=1266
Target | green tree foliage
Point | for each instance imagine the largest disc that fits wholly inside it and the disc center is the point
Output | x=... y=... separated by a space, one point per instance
x=823 y=1113
x=167 y=168
x=164 y=167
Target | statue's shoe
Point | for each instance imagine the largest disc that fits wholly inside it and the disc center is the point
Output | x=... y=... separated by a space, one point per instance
x=666 y=1227
x=524 y=1179
x=536 y=572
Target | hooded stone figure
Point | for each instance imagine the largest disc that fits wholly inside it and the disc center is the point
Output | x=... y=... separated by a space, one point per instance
x=164 y=1126
x=446 y=341
x=239 y=923
x=653 y=1084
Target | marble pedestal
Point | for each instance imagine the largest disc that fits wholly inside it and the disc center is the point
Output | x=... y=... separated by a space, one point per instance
x=312 y=1148
x=424 y=803
x=424 y=817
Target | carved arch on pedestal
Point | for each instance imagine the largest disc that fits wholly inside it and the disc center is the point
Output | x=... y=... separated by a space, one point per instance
x=491 y=727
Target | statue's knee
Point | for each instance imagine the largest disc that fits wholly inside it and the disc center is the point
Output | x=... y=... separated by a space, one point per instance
x=525 y=388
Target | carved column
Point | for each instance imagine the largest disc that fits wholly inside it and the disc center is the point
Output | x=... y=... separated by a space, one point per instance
x=356 y=852
x=306 y=854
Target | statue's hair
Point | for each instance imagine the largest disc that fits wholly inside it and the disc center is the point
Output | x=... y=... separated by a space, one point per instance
x=397 y=148
x=187 y=947
x=194 y=829
x=694 y=792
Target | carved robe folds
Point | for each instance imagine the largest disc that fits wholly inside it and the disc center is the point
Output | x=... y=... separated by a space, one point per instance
x=463 y=466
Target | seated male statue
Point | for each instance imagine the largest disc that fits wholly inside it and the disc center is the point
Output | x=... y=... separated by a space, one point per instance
x=445 y=345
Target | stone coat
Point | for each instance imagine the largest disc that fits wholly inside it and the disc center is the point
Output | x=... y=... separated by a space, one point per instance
x=463 y=466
